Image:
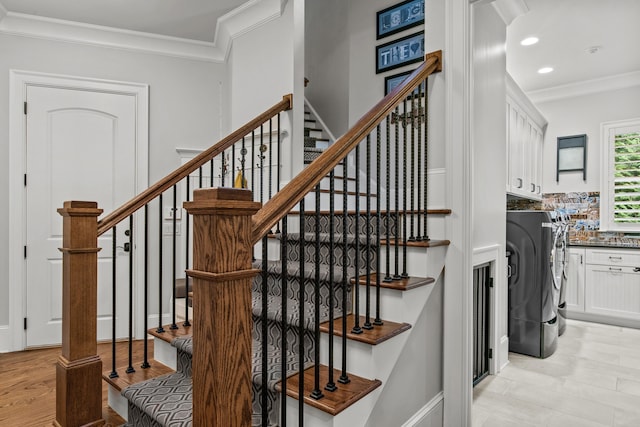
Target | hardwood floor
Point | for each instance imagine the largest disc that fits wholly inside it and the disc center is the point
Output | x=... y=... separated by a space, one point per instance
x=592 y=380
x=28 y=385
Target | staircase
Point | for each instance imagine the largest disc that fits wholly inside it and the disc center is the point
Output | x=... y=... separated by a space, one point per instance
x=317 y=328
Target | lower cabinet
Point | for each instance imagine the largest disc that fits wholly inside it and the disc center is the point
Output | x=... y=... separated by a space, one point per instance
x=604 y=283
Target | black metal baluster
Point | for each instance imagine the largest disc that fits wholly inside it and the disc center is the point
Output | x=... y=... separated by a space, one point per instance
x=253 y=157
x=199 y=178
x=160 y=239
x=356 y=290
x=426 y=147
x=344 y=377
x=265 y=333
x=114 y=305
x=396 y=274
x=262 y=156
x=283 y=302
x=223 y=169
x=279 y=166
x=331 y=385
x=411 y=123
x=404 y=192
x=317 y=392
x=243 y=159
x=212 y=172
x=145 y=362
x=130 y=368
x=378 y=321
x=233 y=166
x=186 y=252
x=301 y=320
x=420 y=177
x=270 y=157
x=387 y=216
x=367 y=320
x=174 y=257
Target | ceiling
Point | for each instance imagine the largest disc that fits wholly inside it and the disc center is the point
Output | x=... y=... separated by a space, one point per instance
x=567 y=29
x=191 y=19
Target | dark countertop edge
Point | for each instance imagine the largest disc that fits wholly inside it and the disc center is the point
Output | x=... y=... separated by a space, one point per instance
x=603 y=245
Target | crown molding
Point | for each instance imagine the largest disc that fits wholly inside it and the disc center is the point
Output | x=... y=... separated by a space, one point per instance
x=619 y=81
x=241 y=20
x=510 y=9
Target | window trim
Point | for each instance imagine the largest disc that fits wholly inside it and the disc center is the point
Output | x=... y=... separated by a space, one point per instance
x=607 y=138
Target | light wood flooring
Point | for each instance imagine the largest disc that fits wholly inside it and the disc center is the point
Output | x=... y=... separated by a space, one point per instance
x=592 y=380
x=28 y=385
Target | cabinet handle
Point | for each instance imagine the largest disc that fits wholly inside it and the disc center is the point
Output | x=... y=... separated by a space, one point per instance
x=533 y=187
x=539 y=190
x=580 y=259
x=636 y=269
x=519 y=182
x=615 y=269
x=615 y=258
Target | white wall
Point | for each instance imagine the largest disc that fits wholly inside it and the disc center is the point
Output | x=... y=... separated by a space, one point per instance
x=327 y=62
x=184 y=107
x=582 y=115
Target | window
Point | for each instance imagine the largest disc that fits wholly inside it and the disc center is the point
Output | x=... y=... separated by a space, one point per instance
x=620 y=176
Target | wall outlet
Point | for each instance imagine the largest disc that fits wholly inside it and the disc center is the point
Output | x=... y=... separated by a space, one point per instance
x=168 y=213
x=167 y=229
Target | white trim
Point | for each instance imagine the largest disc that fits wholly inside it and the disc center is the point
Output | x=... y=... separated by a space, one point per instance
x=523 y=101
x=19 y=80
x=494 y=254
x=457 y=298
x=5 y=339
x=604 y=84
x=234 y=24
x=508 y=10
x=425 y=412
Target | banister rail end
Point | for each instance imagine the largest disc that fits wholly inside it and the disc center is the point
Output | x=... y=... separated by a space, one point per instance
x=435 y=54
x=289 y=98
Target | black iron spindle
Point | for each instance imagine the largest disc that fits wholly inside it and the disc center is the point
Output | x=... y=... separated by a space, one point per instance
x=173 y=256
x=420 y=176
x=412 y=179
x=356 y=289
x=426 y=147
x=223 y=169
x=331 y=385
x=344 y=377
x=187 y=247
x=317 y=393
x=212 y=172
x=262 y=156
x=253 y=156
x=130 y=368
x=378 y=321
x=199 y=178
x=265 y=333
x=301 y=320
x=114 y=305
x=367 y=320
x=145 y=362
x=270 y=157
x=278 y=166
x=160 y=239
x=396 y=245
x=387 y=216
x=404 y=192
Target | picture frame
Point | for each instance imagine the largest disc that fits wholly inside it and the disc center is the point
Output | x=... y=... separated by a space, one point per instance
x=399 y=17
x=391 y=82
x=400 y=52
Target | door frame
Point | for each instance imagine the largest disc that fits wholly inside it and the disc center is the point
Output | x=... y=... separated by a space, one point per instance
x=19 y=80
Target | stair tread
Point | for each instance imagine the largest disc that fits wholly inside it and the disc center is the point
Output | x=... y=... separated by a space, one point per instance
x=377 y=335
x=326 y=237
x=336 y=401
x=170 y=334
x=418 y=243
x=314 y=150
x=403 y=284
x=275 y=310
x=275 y=267
x=124 y=380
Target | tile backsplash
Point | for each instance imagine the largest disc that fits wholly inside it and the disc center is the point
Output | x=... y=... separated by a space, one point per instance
x=584 y=212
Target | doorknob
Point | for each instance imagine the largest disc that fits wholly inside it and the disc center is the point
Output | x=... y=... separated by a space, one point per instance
x=127 y=247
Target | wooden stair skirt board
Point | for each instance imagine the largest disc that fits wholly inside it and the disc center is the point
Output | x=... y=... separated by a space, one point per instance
x=377 y=335
x=333 y=402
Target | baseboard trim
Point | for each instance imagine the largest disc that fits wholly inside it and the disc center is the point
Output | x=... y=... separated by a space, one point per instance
x=5 y=339
x=599 y=318
x=426 y=412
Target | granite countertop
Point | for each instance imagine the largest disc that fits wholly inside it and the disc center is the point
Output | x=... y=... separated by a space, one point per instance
x=608 y=243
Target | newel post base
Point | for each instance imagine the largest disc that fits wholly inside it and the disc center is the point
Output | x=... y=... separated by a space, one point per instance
x=79 y=368
x=222 y=275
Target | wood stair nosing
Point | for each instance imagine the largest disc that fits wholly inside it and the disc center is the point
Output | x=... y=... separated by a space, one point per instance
x=417 y=244
x=375 y=336
x=124 y=380
x=373 y=212
x=403 y=284
x=170 y=334
x=333 y=402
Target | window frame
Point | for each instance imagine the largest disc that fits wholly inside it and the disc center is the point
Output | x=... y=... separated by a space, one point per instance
x=608 y=130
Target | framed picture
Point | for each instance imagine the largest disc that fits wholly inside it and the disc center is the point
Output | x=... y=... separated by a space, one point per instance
x=400 y=52
x=572 y=155
x=399 y=17
x=391 y=82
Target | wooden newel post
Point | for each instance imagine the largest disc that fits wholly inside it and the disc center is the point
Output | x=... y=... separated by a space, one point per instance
x=79 y=368
x=222 y=275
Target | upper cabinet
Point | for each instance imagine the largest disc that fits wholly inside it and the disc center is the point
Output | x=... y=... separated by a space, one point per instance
x=525 y=136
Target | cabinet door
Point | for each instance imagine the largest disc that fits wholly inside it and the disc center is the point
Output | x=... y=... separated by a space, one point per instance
x=517 y=124
x=536 y=173
x=613 y=291
x=574 y=295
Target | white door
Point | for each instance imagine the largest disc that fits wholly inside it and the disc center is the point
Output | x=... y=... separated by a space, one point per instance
x=80 y=145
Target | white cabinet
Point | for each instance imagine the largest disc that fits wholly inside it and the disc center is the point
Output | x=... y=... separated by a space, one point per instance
x=525 y=137
x=574 y=295
x=604 y=285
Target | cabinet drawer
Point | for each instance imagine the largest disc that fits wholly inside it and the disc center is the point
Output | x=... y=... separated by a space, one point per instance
x=613 y=291
x=614 y=257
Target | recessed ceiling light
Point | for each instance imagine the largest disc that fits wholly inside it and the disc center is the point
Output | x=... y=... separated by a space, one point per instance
x=529 y=41
x=545 y=70
x=593 y=49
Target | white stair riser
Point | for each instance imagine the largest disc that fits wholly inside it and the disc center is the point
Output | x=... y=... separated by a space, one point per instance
x=421 y=262
x=118 y=403
x=165 y=353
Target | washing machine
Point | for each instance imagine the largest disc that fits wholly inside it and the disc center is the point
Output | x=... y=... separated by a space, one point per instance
x=534 y=295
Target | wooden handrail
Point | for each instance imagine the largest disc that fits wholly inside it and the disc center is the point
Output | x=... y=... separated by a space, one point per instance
x=183 y=171
x=276 y=208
